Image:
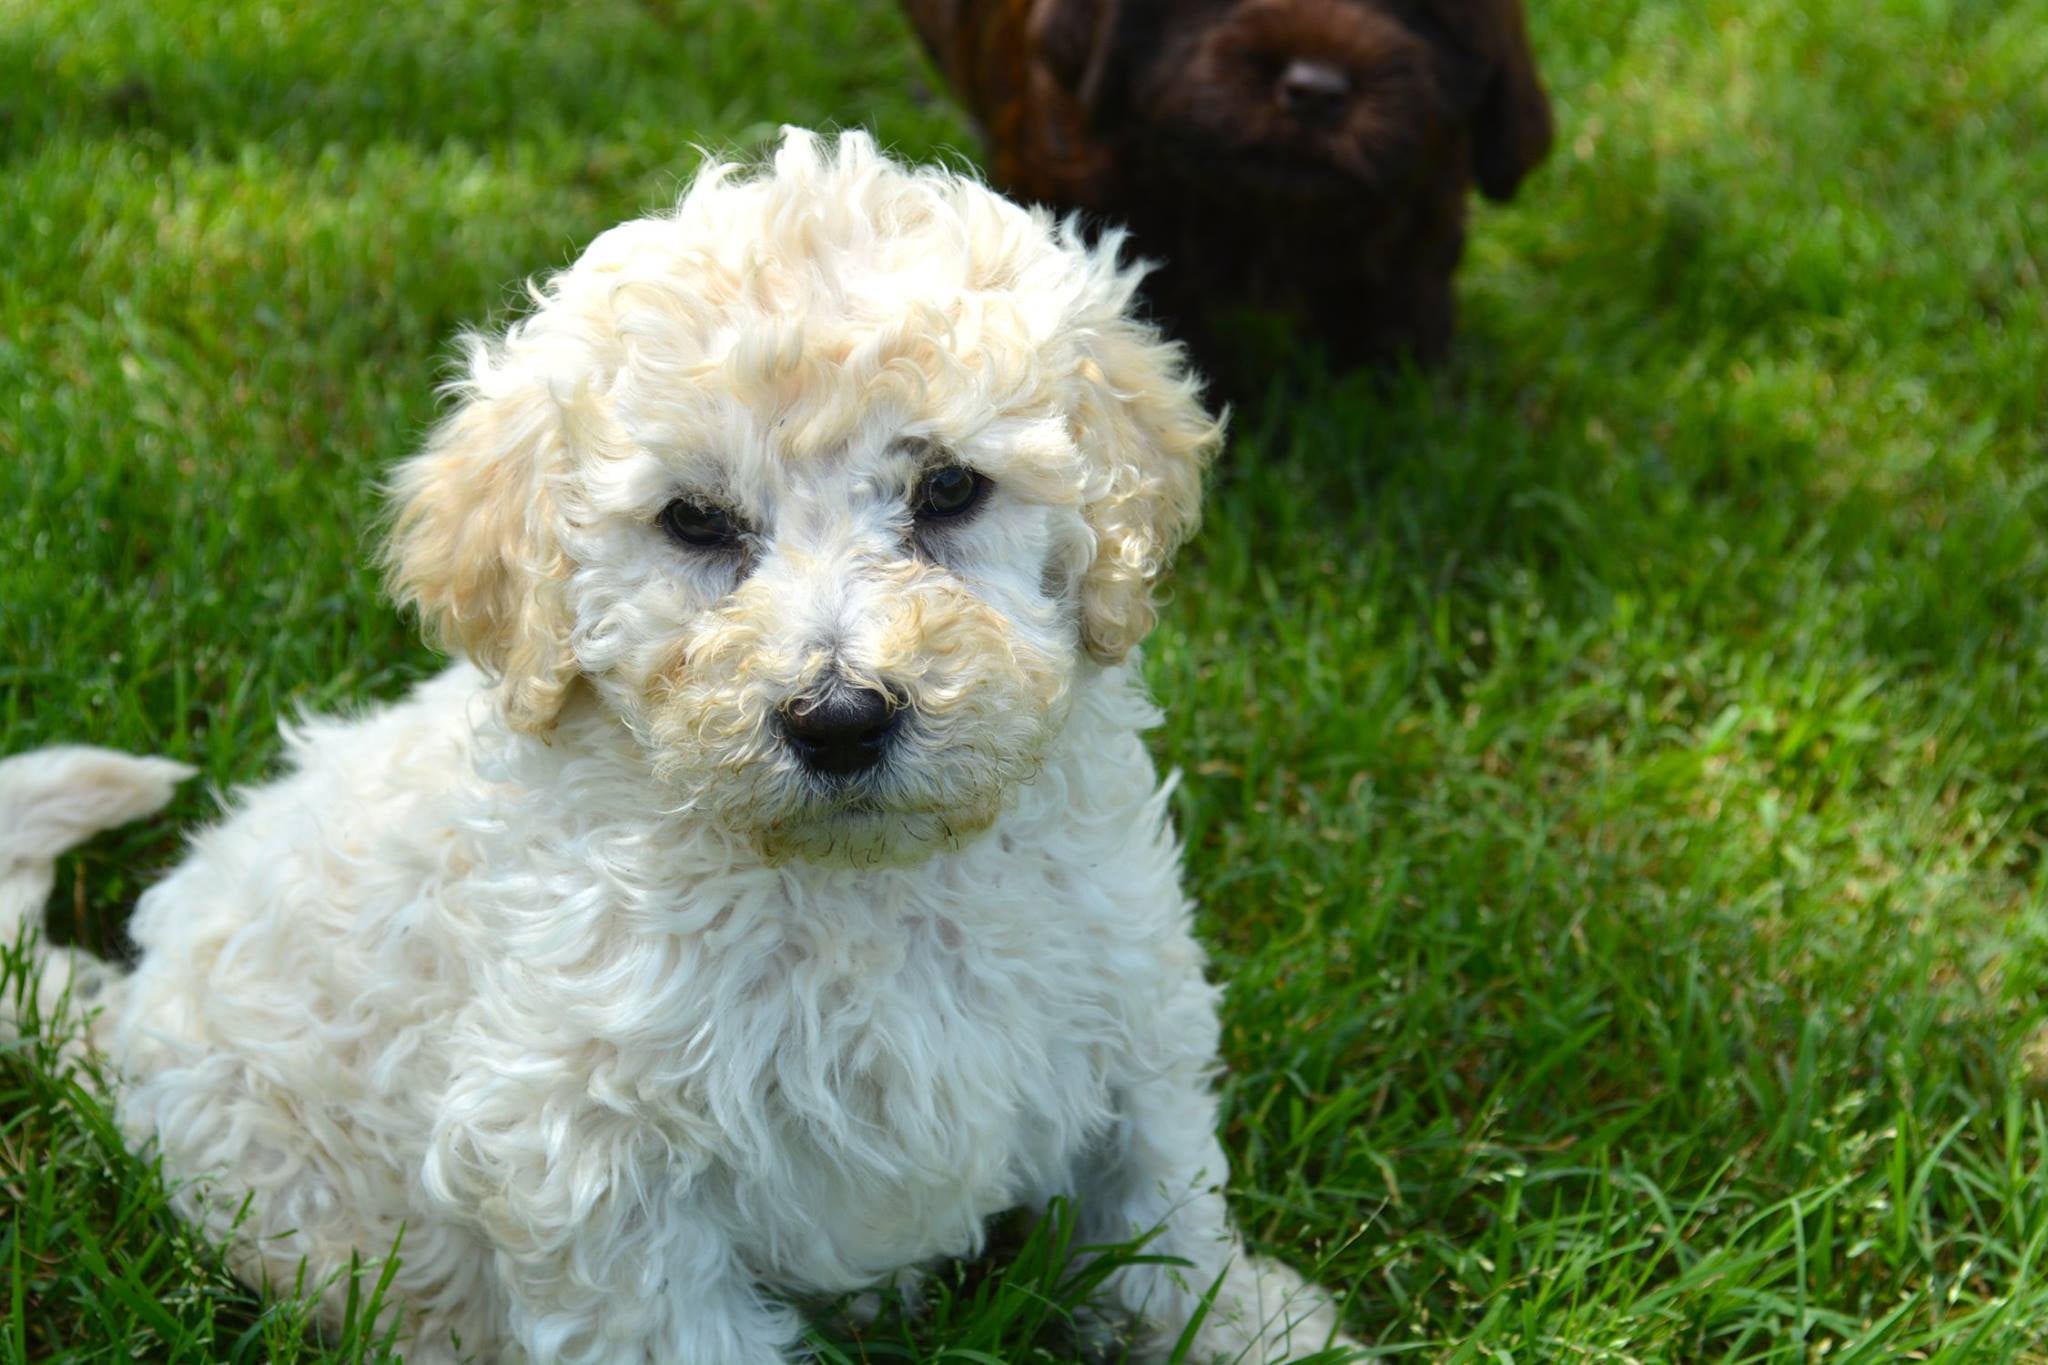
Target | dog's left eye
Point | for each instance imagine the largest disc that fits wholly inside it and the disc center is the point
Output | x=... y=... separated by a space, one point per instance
x=699 y=525
x=949 y=491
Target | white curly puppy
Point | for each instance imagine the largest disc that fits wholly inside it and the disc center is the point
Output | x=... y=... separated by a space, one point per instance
x=782 y=888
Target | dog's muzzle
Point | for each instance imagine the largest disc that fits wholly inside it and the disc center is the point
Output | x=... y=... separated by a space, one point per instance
x=841 y=730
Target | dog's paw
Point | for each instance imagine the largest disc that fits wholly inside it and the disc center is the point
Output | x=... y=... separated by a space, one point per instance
x=1269 y=1315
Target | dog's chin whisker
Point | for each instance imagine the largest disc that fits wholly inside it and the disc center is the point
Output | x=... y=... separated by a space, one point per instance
x=687 y=806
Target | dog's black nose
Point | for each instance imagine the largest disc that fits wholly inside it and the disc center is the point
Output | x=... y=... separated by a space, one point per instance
x=841 y=731
x=1314 y=92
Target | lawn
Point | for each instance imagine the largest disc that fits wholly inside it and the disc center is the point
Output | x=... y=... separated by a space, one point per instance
x=1616 y=766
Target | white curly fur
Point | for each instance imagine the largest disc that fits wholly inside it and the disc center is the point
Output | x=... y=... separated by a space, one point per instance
x=566 y=965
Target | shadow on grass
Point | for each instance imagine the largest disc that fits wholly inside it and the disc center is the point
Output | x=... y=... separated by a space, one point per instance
x=477 y=73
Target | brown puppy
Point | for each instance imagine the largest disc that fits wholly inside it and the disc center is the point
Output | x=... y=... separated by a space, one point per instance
x=1309 y=157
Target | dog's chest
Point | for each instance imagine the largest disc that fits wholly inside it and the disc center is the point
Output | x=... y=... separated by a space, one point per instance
x=881 y=1081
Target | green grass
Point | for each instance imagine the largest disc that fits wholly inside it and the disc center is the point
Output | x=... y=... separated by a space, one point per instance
x=1617 y=765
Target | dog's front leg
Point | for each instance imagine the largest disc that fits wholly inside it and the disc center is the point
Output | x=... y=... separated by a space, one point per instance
x=1163 y=1169
x=690 y=1302
x=600 y=1251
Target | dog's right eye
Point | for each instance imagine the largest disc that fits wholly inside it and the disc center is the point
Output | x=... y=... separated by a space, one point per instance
x=699 y=525
x=948 y=492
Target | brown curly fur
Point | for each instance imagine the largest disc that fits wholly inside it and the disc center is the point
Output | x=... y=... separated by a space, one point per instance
x=1168 y=116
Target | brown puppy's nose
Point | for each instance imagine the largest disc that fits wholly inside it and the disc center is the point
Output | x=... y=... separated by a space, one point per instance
x=841 y=731
x=1314 y=92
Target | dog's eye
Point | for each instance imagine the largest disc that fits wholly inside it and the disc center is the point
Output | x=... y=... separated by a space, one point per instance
x=948 y=491
x=699 y=525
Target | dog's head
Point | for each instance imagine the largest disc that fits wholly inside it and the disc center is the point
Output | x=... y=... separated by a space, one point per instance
x=826 y=485
x=1321 y=101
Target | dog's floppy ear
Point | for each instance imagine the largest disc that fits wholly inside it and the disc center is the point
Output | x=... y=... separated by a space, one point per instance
x=473 y=544
x=1078 y=41
x=1511 y=130
x=1146 y=438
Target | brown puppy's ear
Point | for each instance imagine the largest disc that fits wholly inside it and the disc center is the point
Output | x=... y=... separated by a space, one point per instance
x=1146 y=438
x=473 y=544
x=1511 y=131
x=1077 y=40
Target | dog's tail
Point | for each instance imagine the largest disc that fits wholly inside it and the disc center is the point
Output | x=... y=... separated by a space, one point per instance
x=51 y=800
